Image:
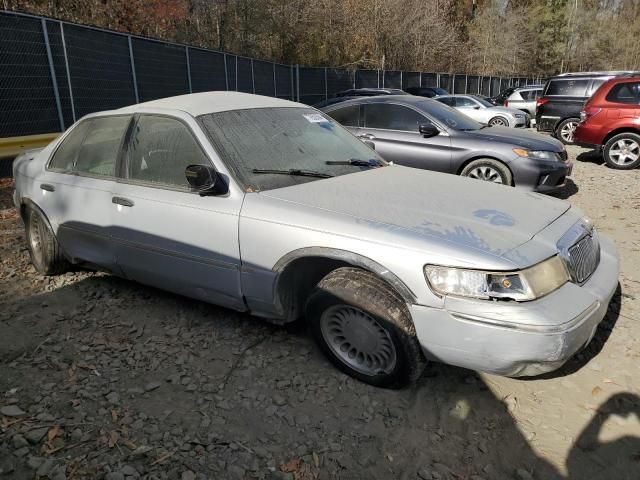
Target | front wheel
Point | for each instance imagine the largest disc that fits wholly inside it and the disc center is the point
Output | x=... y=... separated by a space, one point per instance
x=364 y=328
x=499 y=122
x=566 y=129
x=622 y=151
x=488 y=170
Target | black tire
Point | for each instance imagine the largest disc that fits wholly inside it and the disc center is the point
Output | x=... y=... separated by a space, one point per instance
x=357 y=289
x=492 y=166
x=569 y=123
x=46 y=256
x=632 y=141
x=499 y=120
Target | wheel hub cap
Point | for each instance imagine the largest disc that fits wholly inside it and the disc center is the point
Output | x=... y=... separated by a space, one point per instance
x=488 y=174
x=34 y=236
x=624 y=152
x=567 y=131
x=358 y=340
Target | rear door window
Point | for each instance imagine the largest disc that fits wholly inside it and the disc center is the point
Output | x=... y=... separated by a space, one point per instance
x=597 y=82
x=392 y=117
x=568 y=87
x=450 y=101
x=465 y=102
x=100 y=148
x=65 y=155
x=625 y=93
x=347 y=116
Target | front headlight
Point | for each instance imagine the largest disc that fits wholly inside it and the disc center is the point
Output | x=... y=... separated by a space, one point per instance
x=538 y=154
x=529 y=284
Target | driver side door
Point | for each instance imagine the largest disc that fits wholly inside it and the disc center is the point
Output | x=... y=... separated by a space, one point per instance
x=165 y=234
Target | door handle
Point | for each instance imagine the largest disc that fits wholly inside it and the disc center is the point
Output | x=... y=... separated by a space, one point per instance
x=125 y=202
x=367 y=136
x=48 y=187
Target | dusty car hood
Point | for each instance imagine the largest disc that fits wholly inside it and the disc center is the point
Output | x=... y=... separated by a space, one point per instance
x=421 y=206
x=517 y=137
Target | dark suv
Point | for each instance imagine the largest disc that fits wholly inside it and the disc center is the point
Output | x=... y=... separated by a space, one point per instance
x=563 y=96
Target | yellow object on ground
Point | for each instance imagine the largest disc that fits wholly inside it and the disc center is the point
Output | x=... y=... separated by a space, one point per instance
x=14 y=146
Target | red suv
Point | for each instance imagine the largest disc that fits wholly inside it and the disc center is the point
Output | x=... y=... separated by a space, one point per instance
x=611 y=120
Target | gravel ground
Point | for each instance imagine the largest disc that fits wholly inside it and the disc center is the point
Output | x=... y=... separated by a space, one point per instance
x=101 y=378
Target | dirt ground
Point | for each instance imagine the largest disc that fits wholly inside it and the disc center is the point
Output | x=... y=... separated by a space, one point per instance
x=105 y=378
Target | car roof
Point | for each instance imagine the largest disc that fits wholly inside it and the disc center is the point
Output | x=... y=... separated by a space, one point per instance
x=197 y=104
x=406 y=99
x=612 y=73
x=356 y=91
x=632 y=78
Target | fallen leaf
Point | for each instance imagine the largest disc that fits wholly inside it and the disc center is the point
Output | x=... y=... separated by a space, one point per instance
x=113 y=438
x=316 y=459
x=162 y=457
x=51 y=434
x=596 y=390
x=291 y=466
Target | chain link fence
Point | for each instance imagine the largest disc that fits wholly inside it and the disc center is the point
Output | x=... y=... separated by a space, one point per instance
x=54 y=72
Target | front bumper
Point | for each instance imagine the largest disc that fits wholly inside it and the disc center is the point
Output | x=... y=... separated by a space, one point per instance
x=519 y=339
x=540 y=176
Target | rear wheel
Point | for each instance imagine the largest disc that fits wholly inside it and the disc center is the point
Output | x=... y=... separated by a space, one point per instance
x=46 y=256
x=566 y=129
x=488 y=170
x=364 y=328
x=623 y=151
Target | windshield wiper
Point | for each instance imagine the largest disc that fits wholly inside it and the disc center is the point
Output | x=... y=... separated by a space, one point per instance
x=356 y=162
x=296 y=172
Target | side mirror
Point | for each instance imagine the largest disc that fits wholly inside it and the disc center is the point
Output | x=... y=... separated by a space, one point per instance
x=369 y=144
x=428 y=130
x=476 y=107
x=205 y=180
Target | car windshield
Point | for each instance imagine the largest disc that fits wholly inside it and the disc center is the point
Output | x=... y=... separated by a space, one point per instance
x=269 y=148
x=448 y=116
x=440 y=91
x=482 y=101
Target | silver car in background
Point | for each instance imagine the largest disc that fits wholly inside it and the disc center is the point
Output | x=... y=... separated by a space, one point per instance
x=483 y=111
x=270 y=207
x=524 y=99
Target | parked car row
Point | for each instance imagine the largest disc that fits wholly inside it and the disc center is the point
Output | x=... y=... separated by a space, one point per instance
x=271 y=207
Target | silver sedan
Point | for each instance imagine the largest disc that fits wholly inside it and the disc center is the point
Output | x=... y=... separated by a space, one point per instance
x=270 y=207
x=485 y=112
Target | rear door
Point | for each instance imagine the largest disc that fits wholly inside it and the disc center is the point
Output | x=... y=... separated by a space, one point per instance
x=624 y=99
x=79 y=184
x=165 y=234
x=393 y=129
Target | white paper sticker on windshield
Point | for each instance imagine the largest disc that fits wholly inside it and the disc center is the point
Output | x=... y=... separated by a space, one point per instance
x=314 y=117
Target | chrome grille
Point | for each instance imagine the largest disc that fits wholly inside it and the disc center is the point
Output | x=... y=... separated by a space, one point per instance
x=584 y=257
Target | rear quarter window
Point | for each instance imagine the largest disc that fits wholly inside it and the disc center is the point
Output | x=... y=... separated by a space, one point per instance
x=568 y=87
